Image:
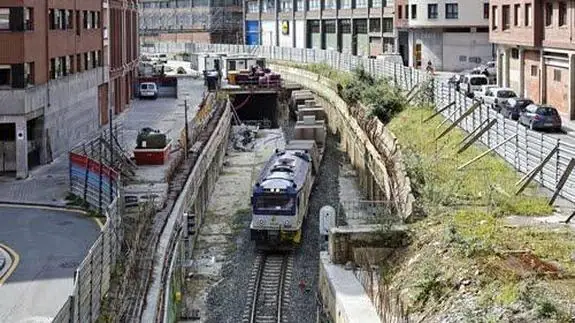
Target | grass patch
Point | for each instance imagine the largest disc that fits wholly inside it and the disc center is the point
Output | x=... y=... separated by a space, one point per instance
x=488 y=183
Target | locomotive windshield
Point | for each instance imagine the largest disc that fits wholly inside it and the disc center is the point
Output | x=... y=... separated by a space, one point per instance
x=274 y=204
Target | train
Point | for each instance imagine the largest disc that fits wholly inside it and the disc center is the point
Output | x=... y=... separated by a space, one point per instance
x=280 y=197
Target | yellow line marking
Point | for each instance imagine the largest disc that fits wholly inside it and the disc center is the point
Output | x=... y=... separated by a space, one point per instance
x=15 y=261
x=99 y=223
x=40 y=207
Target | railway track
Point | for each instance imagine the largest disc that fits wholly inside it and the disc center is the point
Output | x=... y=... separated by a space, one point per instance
x=268 y=292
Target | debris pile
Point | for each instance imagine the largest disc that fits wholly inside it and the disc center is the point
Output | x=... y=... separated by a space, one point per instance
x=243 y=137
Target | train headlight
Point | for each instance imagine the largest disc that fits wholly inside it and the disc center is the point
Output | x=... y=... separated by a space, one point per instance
x=261 y=222
x=286 y=223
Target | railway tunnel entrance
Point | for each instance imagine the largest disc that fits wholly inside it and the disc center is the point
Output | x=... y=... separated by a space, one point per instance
x=254 y=107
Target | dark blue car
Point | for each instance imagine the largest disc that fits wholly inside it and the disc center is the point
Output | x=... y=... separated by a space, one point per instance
x=537 y=116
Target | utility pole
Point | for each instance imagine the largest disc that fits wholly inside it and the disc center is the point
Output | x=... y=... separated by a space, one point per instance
x=110 y=115
x=186 y=127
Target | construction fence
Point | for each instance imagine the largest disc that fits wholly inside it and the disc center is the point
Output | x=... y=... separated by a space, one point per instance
x=547 y=159
x=97 y=182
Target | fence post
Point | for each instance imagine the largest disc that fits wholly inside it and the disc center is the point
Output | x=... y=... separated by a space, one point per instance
x=557 y=175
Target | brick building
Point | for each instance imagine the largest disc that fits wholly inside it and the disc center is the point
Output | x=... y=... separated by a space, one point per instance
x=63 y=64
x=357 y=27
x=535 y=49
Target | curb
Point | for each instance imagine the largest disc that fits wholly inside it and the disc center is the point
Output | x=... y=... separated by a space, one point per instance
x=56 y=207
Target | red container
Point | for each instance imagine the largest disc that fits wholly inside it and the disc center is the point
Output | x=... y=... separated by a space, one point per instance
x=152 y=156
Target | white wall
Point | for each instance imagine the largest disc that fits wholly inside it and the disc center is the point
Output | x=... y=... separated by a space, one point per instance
x=268 y=32
x=470 y=13
x=286 y=40
x=300 y=33
x=464 y=44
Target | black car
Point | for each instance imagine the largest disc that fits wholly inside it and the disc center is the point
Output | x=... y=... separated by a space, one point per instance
x=513 y=107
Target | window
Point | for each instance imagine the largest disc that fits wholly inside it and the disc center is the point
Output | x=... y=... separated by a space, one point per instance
x=345 y=26
x=99 y=58
x=96 y=19
x=93 y=59
x=4 y=20
x=253 y=7
x=505 y=14
x=361 y=3
x=432 y=11
x=557 y=75
x=29 y=18
x=562 y=13
x=70 y=19
x=413 y=11
x=29 y=73
x=374 y=25
x=406 y=11
x=300 y=5
x=330 y=4
x=314 y=4
x=399 y=15
x=360 y=26
x=514 y=53
x=516 y=9
x=329 y=26
x=85 y=20
x=285 y=6
x=67 y=68
x=376 y=3
x=73 y=69
x=345 y=4
x=79 y=63
x=534 y=70
x=527 y=19
x=5 y=75
x=494 y=18
x=387 y=25
x=486 y=10
x=87 y=61
x=451 y=11
x=463 y=58
x=313 y=26
x=548 y=14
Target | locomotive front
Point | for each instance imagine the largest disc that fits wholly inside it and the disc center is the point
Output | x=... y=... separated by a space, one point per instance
x=274 y=211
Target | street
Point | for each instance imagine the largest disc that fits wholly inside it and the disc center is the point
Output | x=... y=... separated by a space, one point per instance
x=51 y=244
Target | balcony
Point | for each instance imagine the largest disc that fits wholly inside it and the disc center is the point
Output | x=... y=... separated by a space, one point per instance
x=22 y=101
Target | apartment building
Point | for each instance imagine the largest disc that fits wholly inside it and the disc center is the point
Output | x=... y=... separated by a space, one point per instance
x=452 y=34
x=199 y=21
x=359 y=27
x=535 y=49
x=62 y=65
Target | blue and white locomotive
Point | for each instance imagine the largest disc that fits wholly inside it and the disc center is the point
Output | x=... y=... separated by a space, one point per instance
x=281 y=194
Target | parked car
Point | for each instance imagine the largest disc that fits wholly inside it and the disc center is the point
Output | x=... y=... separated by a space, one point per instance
x=537 y=116
x=472 y=82
x=149 y=90
x=513 y=107
x=481 y=93
x=496 y=96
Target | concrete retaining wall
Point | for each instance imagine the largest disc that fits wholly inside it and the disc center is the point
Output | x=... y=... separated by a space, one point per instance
x=374 y=153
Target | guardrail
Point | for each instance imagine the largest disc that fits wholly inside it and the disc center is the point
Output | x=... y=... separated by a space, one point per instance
x=525 y=152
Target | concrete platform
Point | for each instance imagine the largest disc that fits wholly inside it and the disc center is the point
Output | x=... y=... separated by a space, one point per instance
x=343 y=294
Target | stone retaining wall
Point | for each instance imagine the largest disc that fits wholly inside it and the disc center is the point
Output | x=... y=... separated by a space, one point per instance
x=372 y=148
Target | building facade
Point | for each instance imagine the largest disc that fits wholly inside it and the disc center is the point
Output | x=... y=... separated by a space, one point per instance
x=452 y=34
x=198 y=21
x=358 y=27
x=60 y=71
x=535 y=50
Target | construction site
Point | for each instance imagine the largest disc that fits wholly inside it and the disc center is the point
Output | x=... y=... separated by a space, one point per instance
x=198 y=21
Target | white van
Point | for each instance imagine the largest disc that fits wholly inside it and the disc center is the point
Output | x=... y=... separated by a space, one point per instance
x=148 y=90
x=472 y=83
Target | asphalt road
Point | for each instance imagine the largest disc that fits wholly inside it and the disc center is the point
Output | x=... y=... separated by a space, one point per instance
x=50 y=244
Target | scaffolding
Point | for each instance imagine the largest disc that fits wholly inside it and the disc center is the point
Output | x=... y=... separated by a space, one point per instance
x=222 y=19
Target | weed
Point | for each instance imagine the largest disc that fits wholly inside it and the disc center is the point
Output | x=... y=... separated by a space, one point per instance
x=430 y=286
x=546 y=309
